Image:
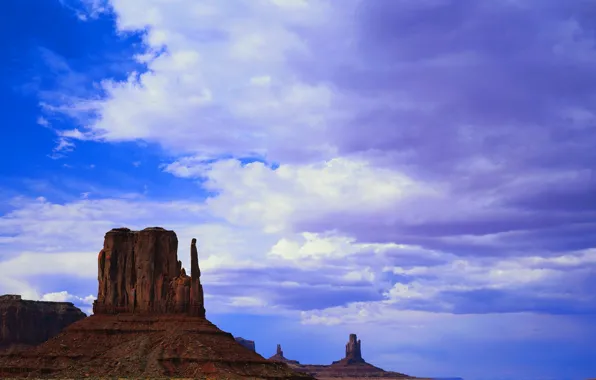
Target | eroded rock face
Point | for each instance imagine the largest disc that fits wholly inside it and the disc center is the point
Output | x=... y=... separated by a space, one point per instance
x=139 y=272
x=25 y=323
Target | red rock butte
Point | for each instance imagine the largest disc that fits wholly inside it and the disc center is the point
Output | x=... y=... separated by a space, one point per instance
x=139 y=272
x=149 y=321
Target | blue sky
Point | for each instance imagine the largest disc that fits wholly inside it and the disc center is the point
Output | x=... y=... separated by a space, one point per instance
x=420 y=173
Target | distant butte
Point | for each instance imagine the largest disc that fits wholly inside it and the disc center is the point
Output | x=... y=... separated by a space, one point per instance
x=26 y=323
x=149 y=321
x=279 y=357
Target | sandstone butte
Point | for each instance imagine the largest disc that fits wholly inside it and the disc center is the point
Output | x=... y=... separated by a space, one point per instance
x=149 y=321
x=26 y=323
x=352 y=366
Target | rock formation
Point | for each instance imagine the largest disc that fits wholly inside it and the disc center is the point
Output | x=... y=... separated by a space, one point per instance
x=352 y=366
x=353 y=360
x=149 y=321
x=27 y=323
x=250 y=344
x=353 y=351
x=139 y=272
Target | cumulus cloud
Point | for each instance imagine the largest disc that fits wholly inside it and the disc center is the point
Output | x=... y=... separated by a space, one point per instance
x=64 y=296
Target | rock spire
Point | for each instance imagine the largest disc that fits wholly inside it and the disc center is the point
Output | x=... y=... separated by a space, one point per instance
x=353 y=351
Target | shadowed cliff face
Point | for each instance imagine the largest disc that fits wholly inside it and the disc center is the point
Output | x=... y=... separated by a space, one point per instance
x=24 y=322
x=139 y=272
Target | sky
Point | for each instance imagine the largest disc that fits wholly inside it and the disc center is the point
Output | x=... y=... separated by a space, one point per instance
x=418 y=172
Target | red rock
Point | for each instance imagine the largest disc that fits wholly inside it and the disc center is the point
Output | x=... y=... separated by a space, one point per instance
x=24 y=322
x=197 y=307
x=353 y=351
x=139 y=272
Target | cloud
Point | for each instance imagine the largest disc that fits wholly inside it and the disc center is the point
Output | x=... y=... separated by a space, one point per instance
x=86 y=9
x=384 y=205
x=64 y=296
x=256 y=193
x=441 y=134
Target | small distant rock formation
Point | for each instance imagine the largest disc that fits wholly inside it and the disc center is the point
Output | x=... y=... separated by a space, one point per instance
x=353 y=351
x=353 y=363
x=250 y=344
x=279 y=357
x=139 y=272
x=28 y=323
x=279 y=354
x=352 y=366
x=149 y=321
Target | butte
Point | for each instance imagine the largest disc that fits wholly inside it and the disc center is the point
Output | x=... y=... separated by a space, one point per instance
x=149 y=321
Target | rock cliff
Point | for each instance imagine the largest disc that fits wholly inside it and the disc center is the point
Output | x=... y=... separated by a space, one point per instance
x=24 y=322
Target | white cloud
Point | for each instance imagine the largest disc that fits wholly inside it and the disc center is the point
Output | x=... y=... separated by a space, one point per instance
x=64 y=296
x=43 y=122
x=11 y=285
x=209 y=87
x=254 y=193
x=70 y=263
